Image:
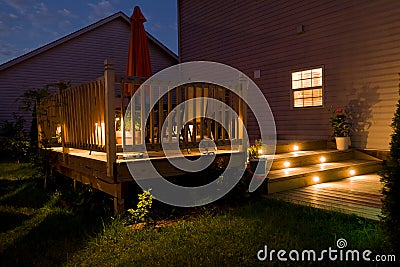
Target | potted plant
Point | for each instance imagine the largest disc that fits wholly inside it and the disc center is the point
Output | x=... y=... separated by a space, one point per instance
x=256 y=164
x=341 y=129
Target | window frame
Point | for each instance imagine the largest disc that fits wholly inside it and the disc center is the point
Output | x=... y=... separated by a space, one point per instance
x=292 y=91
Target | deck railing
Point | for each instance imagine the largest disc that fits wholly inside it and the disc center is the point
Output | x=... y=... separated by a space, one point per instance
x=178 y=127
x=96 y=116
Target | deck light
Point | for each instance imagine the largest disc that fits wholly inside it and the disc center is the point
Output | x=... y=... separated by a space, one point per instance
x=316 y=179
x=352 y=172
x=260 y=152
x=286 y=164
x=295 y=147
x=322 y=159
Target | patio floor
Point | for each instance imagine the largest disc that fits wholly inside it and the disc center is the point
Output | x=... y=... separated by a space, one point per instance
x=359 y=195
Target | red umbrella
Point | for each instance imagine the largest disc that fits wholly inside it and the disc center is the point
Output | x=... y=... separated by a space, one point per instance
x=138 y=55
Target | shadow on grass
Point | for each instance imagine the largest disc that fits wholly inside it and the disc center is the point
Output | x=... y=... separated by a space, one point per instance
x=23 y=193
x=10 y=220
x=35 y=229
x=51 y=242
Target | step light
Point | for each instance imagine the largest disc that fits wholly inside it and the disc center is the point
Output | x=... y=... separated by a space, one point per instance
x=296 y=148
x=316 y=179
x=286 y=164
x=352 y=172
x=322 y=159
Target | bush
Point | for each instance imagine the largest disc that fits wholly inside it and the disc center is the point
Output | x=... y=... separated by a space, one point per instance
x=13 y=143
x=142 y=211
x=391 y=191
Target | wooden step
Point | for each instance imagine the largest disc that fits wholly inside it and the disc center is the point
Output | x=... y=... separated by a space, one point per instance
x=290 y=178
x=304 y=158
x=286 y=146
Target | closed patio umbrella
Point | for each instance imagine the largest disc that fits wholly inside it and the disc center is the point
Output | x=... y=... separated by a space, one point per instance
x=138 y=63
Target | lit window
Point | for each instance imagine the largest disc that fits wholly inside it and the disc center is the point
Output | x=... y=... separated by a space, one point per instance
x=307 y=88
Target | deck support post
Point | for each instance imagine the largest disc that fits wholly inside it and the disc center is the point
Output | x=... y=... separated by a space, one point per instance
x=111 y=149
x=119 y=198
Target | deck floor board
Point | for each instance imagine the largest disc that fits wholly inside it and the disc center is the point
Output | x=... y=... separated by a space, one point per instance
x=359 y=195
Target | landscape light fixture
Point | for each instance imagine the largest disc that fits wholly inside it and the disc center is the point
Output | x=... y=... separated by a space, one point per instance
x=316 y=179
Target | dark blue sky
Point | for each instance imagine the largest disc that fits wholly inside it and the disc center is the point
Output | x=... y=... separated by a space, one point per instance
x=28 y=24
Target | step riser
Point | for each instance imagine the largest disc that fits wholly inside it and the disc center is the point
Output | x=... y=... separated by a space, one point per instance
x=311 y=159
x=301 y=180
x=311 y=145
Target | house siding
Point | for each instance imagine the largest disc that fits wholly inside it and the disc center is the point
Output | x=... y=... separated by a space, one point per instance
x=356 y=42
x=78 y=60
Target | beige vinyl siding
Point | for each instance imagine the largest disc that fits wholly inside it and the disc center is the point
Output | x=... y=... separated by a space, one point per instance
x=78 y=60
x=357 y=43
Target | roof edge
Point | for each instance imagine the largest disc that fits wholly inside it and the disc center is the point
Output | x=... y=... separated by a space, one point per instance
x=77 y=33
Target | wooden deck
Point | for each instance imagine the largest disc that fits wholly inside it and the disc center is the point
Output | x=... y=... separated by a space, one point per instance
x=359 y=195
x=90 y=167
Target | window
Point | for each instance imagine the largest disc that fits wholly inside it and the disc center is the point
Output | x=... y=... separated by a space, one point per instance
x=307 y=88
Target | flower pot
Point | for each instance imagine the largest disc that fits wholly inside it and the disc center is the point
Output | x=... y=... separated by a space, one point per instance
x=342 y=143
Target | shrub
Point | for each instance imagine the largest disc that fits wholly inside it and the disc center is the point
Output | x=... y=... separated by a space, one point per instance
x=142 y=211
x=391 y=190
x=13 y=144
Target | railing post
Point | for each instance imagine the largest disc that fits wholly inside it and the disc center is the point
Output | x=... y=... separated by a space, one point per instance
x=109 y=95
x=60 y=106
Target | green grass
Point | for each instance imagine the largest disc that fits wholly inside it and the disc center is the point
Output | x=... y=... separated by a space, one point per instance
x=36 y=230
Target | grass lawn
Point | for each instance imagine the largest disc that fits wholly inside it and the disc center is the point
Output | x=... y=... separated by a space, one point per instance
x=35 y=229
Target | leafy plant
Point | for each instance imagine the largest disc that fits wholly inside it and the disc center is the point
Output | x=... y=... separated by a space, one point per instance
x=253 y=152
x=142 y=211
x=30 y=100
x=128 y=120
x=40 y=155
x=391 y=190
x=340 y=124
x=13 y=139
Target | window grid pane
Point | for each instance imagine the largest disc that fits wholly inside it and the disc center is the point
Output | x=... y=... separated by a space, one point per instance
x=304 y=92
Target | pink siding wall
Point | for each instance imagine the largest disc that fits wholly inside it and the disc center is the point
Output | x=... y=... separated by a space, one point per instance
x=357 y=42
x=78 y=60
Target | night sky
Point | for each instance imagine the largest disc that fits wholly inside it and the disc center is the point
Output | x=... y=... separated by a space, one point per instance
x=27 y=24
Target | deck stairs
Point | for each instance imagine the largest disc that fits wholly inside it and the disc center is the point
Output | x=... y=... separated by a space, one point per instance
x=299 y=164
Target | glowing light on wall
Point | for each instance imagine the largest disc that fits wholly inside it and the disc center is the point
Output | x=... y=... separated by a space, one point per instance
x=58 y=133
x=100 y=134
x=322 y=159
